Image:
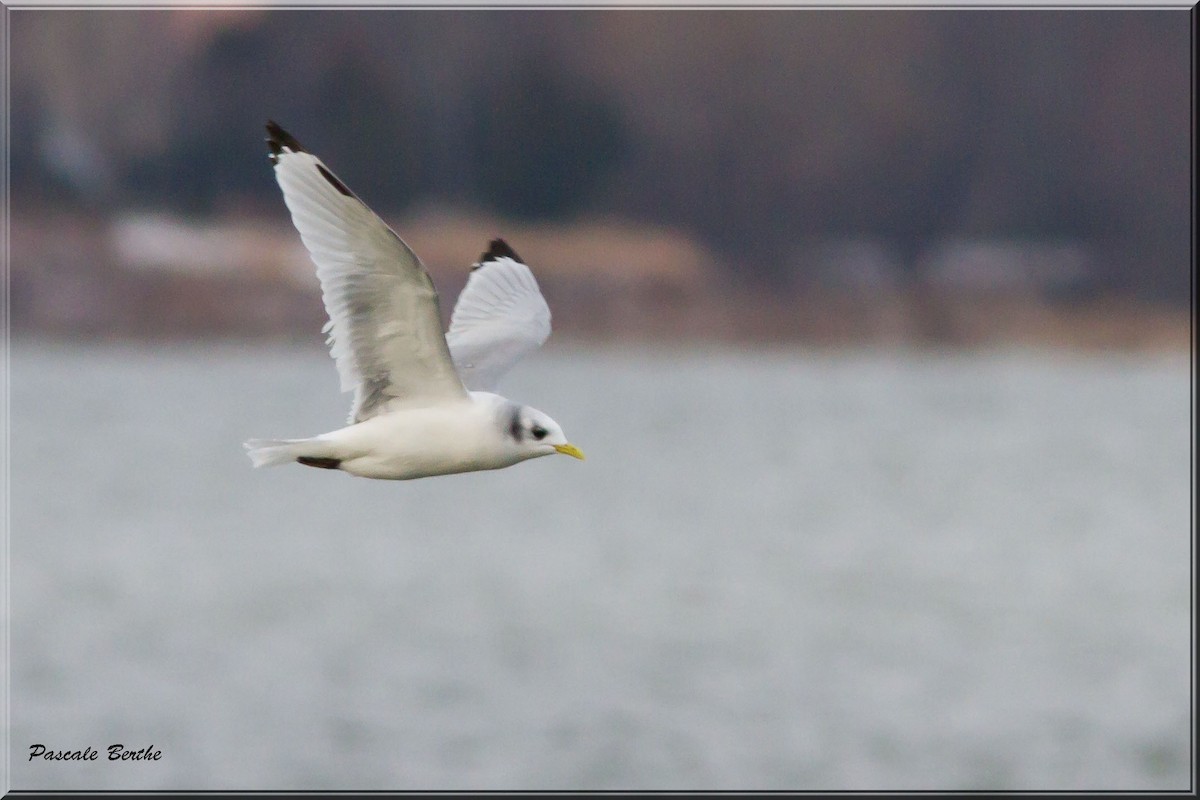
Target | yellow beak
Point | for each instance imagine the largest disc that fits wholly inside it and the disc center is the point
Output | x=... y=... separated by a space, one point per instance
x=569 y=450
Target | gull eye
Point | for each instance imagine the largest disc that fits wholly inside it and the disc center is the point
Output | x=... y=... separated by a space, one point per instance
x=539 y=432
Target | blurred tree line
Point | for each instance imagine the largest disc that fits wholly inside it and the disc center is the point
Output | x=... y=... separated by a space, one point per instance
x=754 y=130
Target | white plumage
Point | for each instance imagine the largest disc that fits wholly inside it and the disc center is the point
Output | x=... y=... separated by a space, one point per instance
x=423 y=402
x=500 y=316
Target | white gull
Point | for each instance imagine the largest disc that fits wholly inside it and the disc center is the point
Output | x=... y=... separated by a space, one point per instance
x=423 y=401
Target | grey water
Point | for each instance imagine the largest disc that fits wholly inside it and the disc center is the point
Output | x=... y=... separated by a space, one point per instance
x=776 y=569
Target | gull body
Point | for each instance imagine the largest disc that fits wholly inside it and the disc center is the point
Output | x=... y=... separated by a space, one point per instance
x=421 y=442
x=423 y=401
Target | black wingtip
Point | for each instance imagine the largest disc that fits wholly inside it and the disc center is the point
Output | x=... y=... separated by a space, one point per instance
x=498 y=248
x=320 y=462
x=329 y=176
x=278 y=139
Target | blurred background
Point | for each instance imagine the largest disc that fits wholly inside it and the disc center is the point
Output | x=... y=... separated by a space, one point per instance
x=930 y=270
x=848 y=175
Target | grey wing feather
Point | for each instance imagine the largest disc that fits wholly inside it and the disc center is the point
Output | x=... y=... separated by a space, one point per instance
x=384 y=323
x=499 y=318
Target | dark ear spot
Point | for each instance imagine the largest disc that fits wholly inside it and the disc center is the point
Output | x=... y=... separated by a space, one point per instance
x=514 y=426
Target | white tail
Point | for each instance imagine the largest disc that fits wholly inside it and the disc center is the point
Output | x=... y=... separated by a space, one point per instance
x=273 y=452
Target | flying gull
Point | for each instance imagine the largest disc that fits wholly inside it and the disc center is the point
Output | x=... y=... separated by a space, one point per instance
x=424 y=402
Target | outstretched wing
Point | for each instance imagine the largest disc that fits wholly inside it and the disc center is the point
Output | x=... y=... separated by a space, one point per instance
x=499 y=317
x=385 y=330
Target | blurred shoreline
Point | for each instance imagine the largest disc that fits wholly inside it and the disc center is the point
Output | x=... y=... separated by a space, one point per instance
x=151 y=277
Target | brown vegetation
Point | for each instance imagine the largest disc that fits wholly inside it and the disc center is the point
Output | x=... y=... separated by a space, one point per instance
x=74 y=276
x=749 y=132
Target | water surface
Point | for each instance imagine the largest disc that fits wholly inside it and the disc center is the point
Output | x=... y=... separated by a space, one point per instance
x=776 y=570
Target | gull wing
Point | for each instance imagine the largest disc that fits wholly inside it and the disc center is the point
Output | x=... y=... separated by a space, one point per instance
x=385 y=328
x=499 y=318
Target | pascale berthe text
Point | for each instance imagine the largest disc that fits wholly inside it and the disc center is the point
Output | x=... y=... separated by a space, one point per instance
x=116 y=752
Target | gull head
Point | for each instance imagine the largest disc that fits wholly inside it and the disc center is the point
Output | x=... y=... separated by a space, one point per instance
x=538 y=435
